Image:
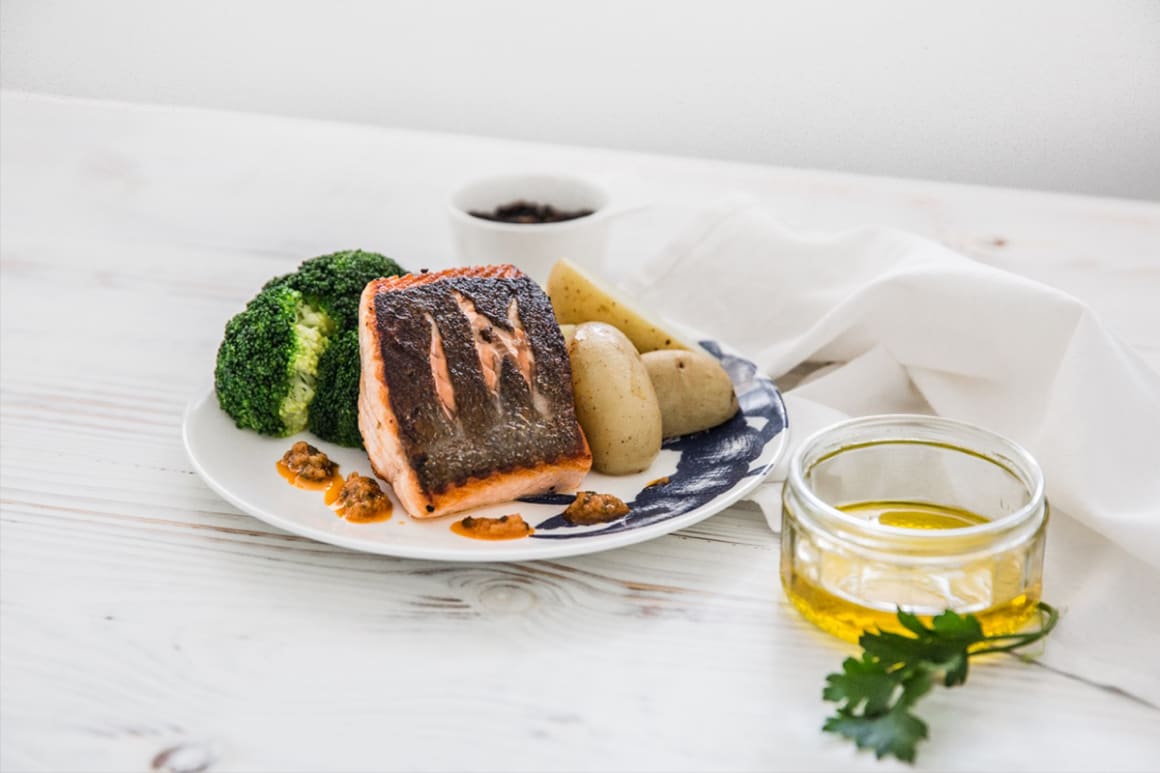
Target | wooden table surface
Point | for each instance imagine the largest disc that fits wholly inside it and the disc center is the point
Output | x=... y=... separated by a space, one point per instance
x=148 y=624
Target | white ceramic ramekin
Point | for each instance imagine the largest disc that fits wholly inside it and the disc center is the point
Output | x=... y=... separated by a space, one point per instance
x=533 y=247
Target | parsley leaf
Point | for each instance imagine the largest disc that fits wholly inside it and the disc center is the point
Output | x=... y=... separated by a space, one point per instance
x=864 y=684
x=895 y=732
x=875 y=694
x=943 y=647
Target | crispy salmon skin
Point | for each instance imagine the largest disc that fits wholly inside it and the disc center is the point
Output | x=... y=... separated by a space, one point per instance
x=465 y=397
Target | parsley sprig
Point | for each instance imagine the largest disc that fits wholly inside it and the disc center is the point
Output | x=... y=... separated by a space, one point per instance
x=877 y=692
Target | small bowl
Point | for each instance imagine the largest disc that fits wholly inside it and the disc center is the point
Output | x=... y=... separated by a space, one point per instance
x=532 y=247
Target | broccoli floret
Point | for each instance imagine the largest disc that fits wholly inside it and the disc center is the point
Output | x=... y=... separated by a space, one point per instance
x=291 y=359
x=334 y=412
x=268 y=360
x=334 y=282
x=278 y=281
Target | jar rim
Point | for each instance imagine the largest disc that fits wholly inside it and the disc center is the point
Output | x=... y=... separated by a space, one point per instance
x=1028 y=472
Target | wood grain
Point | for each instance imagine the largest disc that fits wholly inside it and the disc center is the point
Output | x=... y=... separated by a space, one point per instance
x=147 y=624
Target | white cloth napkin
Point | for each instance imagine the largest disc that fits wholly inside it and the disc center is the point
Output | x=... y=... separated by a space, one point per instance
x=910 y=326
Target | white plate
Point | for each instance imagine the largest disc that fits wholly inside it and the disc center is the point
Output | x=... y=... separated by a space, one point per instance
x=707 y=472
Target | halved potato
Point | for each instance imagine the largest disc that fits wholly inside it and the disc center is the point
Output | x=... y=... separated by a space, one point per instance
x=693 y=390
x=578 y=297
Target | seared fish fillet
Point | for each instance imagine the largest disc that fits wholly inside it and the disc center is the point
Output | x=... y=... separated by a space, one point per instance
x=466 y=390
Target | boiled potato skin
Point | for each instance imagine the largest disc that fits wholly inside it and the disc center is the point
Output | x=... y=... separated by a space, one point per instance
x=577 y=297
x=693 y=390
x=615 y=400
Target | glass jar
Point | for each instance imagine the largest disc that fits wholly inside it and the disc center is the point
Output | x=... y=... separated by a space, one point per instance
x=914 y=512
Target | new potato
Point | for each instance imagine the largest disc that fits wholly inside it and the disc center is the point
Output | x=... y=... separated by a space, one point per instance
x=693 y=390
x=577 y=297
x=615 y=400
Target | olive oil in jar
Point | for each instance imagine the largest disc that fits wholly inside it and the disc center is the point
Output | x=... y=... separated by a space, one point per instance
x=912 y=515
x=847 y=594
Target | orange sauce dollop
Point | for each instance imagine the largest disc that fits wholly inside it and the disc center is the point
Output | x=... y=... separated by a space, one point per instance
x=505 y=527
x=331 y=486
x=379 y=515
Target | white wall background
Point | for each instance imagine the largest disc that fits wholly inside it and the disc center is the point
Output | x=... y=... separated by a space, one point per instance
x=1034 y=94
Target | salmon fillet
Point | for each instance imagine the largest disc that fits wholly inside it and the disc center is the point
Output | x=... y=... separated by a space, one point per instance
x=465 y=397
